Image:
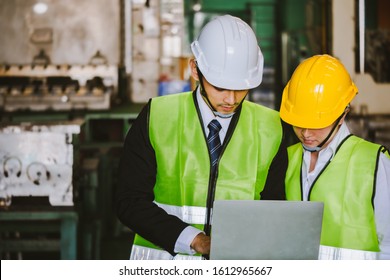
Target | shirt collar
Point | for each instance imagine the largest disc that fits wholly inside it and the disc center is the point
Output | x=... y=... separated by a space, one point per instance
x=208 y=115
x=338 y=138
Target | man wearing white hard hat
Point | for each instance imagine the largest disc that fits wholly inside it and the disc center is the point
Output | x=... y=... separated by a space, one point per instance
x=187 y=150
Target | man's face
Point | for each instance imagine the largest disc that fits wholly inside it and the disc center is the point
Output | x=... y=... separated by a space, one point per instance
x=224 y=101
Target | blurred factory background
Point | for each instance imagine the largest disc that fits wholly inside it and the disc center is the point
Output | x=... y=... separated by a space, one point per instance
x=74 y=74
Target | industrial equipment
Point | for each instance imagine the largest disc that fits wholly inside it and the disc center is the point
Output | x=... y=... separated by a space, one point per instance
x=37 y=160
x=57 y=87
x=38 y=167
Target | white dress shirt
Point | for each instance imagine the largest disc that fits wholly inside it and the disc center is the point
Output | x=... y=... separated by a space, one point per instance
x=382 y=191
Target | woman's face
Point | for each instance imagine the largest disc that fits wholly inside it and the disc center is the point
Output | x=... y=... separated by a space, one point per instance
x=312 y=138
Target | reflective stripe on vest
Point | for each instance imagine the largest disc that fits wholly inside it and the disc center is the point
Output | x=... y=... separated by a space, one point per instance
x=188 y=214
x=183 y=162
x=333 y=253
x=349 y=220
x=145 y=253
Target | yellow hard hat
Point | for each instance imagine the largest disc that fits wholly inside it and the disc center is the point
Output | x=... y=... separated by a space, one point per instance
x=318 y=92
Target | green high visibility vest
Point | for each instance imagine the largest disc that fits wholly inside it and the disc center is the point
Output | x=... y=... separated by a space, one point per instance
x=183 y=162
x=346 y=186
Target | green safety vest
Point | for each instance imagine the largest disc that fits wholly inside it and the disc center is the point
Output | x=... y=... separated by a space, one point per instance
x=183 y=163
x=346 y=186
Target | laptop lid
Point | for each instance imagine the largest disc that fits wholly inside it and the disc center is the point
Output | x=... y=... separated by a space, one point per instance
x=266 y=230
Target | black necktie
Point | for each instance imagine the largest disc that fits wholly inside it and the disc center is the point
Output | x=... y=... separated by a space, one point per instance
x=214 y=142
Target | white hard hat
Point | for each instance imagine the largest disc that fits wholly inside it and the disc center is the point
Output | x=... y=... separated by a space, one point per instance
x=228 y=55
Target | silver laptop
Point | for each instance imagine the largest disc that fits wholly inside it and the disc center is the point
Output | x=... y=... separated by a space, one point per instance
x=266 y=230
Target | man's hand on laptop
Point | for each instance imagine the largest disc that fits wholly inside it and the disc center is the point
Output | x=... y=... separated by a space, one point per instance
x=201 y=244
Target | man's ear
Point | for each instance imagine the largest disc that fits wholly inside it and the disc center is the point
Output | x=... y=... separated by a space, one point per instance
x=194 y=71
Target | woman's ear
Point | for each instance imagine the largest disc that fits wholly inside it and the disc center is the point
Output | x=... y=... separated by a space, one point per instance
x=194 y=69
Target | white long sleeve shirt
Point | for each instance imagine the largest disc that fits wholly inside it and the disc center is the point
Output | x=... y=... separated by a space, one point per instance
x=382 y=191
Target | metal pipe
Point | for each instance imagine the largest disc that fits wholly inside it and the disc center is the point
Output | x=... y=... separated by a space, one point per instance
x=361 y=35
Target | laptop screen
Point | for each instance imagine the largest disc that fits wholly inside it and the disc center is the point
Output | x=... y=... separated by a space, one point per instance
x=266 y=229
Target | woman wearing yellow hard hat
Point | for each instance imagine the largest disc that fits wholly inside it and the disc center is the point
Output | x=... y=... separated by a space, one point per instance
x=349 y=174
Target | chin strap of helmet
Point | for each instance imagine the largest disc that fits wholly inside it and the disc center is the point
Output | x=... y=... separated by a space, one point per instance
x=202 y=90
x=319 y=147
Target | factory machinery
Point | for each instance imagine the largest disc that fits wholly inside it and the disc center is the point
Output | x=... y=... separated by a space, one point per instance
x=45 y=87
x=36 y=190
x=38 y=160
x=62 y=125
x=55 y=174
x=59 y=139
